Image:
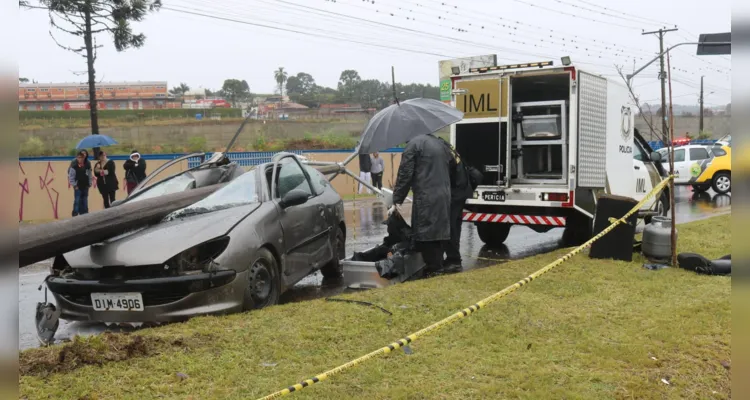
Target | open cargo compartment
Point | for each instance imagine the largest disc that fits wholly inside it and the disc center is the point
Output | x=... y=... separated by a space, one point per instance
x=481 y=146
x=540 y=128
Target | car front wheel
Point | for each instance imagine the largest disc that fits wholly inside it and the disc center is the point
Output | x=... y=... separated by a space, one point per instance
x=334 y=269
x=722 y=183
x=263 y=282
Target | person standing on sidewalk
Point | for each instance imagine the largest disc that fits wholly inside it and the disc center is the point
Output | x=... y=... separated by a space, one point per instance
x=365 y=166
x=106 y=179
x=378 y=166
x=81 y=178
x=135 y=171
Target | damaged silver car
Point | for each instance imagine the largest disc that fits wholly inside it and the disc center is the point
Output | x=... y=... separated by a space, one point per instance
x=237 y=249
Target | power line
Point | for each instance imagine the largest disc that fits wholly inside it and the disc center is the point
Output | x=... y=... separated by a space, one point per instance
x=576 y=16
x=624 y=13
x=599 y=12
x=300 y=32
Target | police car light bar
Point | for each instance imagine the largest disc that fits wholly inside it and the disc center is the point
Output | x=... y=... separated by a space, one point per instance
x=512 y=66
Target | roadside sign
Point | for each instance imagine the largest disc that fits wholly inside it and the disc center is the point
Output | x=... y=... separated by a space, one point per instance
x=708 y=49
x=484 y=98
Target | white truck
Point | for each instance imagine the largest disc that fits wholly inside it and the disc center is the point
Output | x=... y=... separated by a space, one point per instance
x=549 y=140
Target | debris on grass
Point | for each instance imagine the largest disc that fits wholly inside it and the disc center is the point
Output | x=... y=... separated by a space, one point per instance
x=94 y=350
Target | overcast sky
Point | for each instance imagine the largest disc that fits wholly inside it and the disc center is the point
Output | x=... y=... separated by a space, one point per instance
x=324 y=37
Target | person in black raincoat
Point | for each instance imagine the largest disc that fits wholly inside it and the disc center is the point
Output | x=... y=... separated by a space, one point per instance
x=425 y=168
x=462 y=187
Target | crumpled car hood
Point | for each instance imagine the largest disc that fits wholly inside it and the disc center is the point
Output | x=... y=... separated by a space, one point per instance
x=156 y=244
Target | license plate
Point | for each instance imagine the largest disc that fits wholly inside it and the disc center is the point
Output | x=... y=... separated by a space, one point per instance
x=493 y=196
x=117 y=301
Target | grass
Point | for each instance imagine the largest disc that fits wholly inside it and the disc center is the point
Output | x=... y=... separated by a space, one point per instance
x=590 y=329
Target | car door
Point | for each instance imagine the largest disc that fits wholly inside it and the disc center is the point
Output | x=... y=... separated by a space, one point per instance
x=306 y=233
x=681 y=170
x=700 y=158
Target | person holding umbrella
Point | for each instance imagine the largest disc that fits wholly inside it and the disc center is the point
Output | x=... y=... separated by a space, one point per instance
x=135 y=171
x=425 y=168
x=106 y=179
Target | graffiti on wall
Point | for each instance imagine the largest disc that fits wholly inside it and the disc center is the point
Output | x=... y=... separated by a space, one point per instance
x=24 y=191
x=44 y=184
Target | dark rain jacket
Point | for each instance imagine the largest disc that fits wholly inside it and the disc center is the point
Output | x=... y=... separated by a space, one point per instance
x=461 y=187
x=133 y=173
x=106 y=183
x=425 y=169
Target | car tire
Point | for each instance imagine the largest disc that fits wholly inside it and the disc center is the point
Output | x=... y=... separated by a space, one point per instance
x=662 y=208
x=263 y=282
x=493 y=235
x=334 y=269
x=722 y=183
x=578 y=229
x=701 y=187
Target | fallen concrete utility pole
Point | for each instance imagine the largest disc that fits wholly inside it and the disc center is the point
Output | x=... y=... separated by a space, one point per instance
x=44 y=241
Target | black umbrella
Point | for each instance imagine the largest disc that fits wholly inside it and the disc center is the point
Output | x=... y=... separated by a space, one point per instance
x=402 y=122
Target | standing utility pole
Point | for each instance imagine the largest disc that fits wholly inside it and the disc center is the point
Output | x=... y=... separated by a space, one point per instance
x=700 y=127
x=663 y=79
x=668 y=136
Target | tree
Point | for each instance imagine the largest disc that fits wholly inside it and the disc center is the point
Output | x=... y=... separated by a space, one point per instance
x=281 y=76
x=235 y=90
x=85 y=19
x=23 y=80
x=180 y=90
x=348 y=85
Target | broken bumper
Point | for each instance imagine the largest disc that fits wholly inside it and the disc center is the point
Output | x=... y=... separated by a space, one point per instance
x=165 y=299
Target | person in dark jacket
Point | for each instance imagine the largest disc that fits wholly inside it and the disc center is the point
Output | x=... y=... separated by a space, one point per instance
x=365 y=165
x=106 y=179
x=461 y=190
x=135 y=171
x=80 y=177
x=425 y=169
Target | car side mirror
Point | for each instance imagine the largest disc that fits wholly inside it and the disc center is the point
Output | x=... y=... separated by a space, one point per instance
x=655 y=156
x=294 y=198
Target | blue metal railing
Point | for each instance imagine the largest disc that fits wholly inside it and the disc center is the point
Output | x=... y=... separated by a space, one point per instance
x=658 y=144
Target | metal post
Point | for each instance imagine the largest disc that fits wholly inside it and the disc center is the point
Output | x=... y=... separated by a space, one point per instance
x=700 y=125
x=671 y=169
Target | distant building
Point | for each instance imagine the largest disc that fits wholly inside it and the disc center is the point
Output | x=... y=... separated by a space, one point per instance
x=109 y=95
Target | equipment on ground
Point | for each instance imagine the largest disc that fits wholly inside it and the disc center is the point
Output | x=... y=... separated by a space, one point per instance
x=617 y=244
x=657 y=242
x=702 y=265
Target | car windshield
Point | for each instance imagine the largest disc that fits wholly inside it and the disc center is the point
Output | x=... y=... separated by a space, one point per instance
x=239 y=192
x=179 y=183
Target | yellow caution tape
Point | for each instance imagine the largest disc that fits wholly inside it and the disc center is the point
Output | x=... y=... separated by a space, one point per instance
x=466 y=311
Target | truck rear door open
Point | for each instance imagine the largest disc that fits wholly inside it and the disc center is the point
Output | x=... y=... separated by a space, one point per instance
x=481 y=137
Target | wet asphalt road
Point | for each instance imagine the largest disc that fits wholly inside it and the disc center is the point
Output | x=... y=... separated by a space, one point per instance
x=365 y=229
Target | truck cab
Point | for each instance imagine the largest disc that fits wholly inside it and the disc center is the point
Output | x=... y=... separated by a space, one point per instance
x=549 y=140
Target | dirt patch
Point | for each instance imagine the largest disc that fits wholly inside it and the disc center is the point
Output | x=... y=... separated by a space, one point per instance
x=97 y=350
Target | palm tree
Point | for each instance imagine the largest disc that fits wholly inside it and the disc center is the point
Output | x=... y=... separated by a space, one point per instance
x=280 y=76
x=184 y=88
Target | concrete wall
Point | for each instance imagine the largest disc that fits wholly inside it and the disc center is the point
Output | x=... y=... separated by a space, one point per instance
x=45 y=194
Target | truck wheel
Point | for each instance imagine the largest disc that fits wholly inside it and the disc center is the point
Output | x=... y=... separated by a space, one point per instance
x=334 y=269
x=493 y=235
x=701 y=187
x=578 y=229
x=722 y=183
